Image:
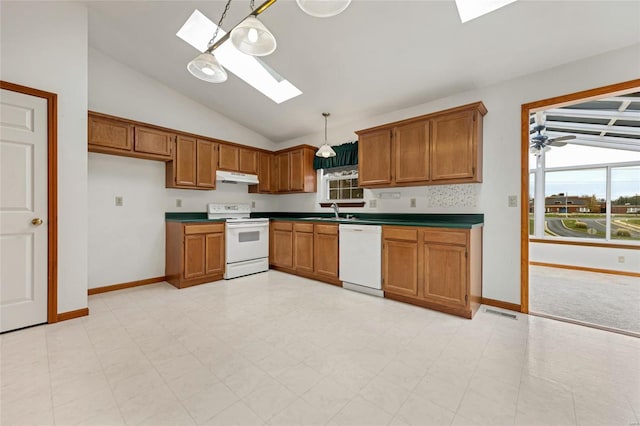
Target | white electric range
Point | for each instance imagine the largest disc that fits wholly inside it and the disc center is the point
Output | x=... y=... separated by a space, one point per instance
x=246 y=239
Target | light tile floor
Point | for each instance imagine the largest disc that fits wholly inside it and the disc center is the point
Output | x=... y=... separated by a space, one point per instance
x=275 y=349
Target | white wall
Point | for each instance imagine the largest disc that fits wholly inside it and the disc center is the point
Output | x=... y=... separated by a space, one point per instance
x=132 y=236
x=44 y=45
x=588 y=257
x=501 y=270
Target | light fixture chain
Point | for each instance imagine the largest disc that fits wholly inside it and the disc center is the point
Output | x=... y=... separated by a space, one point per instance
x=325 y=127
x=252 y=4
x=224 y=13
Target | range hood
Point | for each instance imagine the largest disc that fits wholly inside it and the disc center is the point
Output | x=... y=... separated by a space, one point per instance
x=236 y=177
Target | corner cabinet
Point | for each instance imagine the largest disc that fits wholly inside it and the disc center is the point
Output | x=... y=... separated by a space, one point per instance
x=194 y=253
x=437 y=268
x=293 y=170
x=439 y=148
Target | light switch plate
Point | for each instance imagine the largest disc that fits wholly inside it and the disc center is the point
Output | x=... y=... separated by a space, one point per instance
x=373 y=203
x=253 y=204
x=178 y=202
x=412 y=202
x=513 y=201
x=119 y=201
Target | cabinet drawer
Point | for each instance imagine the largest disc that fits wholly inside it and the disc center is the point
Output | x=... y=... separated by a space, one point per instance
x=282 y=226
x=400 y=233
x=303 y=227
x=203 y=229
x=327 y=229
x=445 y=236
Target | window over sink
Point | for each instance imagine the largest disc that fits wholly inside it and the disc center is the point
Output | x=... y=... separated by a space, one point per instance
x=340 y=185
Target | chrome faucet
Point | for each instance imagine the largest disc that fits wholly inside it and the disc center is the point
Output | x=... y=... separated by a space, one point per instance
x=335 y=210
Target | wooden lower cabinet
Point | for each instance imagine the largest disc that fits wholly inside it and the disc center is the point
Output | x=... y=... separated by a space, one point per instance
x=303 y=243
x=194 y=253
x=438 y=268
x=305 y=248
x=326 y=259
x=281 y=244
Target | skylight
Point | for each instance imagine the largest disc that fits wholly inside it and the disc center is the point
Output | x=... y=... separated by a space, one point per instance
x=471 y=9
x=197 y=32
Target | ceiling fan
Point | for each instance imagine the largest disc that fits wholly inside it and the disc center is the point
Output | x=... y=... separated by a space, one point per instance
x=541 y=142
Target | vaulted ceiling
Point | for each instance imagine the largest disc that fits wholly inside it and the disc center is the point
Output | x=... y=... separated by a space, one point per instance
x=375 y=57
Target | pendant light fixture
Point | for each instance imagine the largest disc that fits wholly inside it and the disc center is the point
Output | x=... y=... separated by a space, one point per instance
x=252 y=37
x=323 y=8
x=325 y=150
x=205 y=66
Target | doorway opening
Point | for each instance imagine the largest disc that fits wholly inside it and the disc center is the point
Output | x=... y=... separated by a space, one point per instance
x=580 y=230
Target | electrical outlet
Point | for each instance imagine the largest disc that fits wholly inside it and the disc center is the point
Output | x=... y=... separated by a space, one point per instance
x=119 y=201
x=253 y=204
x=373 y=203
x=513 y=201
x=178 y=202
x=412 y=202
x=620 y=259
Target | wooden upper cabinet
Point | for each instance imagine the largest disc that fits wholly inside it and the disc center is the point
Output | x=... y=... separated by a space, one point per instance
x=411 y=149
x=283 y=182
x=185 y=161
x=248 y=161
x=374 y=158
x=152 y=141
x=439 y=148
x=110 y=135
x=453 y=146
x=206 y=164
x=296 y=170
x=194 y=164
x=266 y=179
x=236 y=159
x=229 y=158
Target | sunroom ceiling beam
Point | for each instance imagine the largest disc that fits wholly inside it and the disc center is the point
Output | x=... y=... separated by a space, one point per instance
x=635 y=131
x=586 y=113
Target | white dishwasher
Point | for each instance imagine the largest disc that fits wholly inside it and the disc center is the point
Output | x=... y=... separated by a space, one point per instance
x=360 y=258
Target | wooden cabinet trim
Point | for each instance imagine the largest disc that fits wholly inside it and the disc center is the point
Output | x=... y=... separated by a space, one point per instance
x=479 y=106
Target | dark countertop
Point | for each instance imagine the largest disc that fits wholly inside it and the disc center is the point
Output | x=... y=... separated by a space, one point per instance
x=462 y=221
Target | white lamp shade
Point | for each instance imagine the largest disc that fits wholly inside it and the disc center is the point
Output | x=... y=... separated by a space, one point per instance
x=325 y=151
x=323 y=8
x=206 y=67
x=253 y=38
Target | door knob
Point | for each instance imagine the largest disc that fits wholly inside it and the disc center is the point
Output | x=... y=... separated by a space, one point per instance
x=37 y=221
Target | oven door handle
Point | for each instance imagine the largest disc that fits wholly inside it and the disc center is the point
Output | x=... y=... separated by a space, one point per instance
x=247 y=225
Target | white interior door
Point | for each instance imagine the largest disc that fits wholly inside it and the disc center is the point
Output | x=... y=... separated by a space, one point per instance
x=23 y=210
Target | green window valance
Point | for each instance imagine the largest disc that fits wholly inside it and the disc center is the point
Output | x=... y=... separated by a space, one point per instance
x=346 y=155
